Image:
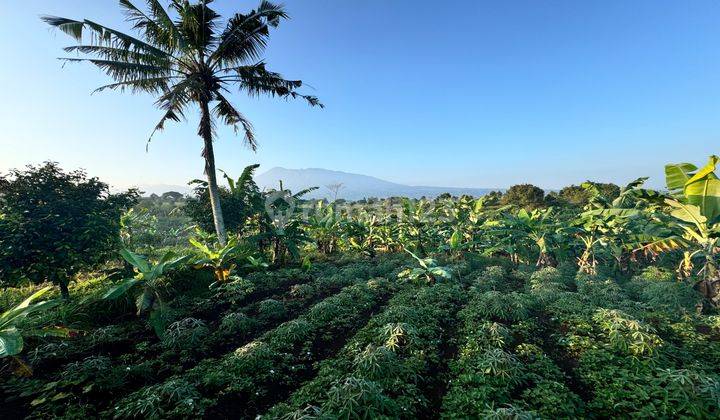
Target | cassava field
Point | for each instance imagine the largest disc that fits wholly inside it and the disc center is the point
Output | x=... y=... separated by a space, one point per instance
x=592 y=302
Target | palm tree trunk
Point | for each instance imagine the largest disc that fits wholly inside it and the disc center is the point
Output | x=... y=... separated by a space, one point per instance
x=209 y=155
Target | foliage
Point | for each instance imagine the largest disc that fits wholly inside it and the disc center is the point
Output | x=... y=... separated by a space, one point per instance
x=241 y=201
x=61 y=222
x=221 y=259
x=427 y=271
x=149 y=279
x=579 y=196
x=14 y=324
x=183 y=57
x=552 y=312
x=526 y=196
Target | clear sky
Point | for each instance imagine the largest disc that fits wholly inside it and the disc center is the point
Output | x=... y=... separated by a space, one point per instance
x=455 y=93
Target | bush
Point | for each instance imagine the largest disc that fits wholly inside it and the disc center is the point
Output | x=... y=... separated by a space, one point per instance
x=187 y=334
x=492 y=278
x=271 y=310
x=511 y=307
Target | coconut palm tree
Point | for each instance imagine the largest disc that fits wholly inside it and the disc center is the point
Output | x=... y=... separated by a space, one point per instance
x=184 y=58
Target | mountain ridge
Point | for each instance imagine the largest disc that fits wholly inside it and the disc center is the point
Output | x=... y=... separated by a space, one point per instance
x=355 y=186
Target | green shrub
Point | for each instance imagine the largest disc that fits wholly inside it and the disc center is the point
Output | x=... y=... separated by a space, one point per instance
x=626 y=334
x=671 y=297
x=629 y=387
x=599 y=291
x=492 y=278
x=153 y=402
x=380 y=371
x=503 y=306
x=508 y=412
x=271 y=310
x=234 y=291
x=187 y=334
x=236 y=323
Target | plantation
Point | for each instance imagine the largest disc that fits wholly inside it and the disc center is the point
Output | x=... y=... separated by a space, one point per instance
x=236 y=301
x=446 y=308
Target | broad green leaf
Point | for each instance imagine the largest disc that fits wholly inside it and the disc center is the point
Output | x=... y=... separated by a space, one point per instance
x=441 y=272
x=199 y=245
x=523 y=215
x=137 y=261
x=26 y=308
x=613 y=212
x=51 y=332
x=157 y=320
x=703 y=190
x=478 y=205
x=456 y=239
x=11 y=342
x=687 y=213
x=120 y=289
x=144 y=301
x=677 y=174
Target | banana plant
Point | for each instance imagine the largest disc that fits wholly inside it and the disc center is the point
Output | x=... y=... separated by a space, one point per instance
x=256 y=263
x=613 y=229
x=526 y=234
x=149 y=282
x=325 y=227
x=694 y=207
x=286 y=239
x=222 y=259
x=14 y=324
x=414 y=225
x=281 y=227
x=428 y=270
x=700 y=188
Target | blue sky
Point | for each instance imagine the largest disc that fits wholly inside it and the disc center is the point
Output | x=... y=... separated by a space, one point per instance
x=459 y=93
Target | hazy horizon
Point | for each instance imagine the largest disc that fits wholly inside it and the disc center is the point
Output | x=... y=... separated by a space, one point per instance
x=551 y=93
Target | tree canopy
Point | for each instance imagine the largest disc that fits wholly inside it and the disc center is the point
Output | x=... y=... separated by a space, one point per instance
x=55 y=223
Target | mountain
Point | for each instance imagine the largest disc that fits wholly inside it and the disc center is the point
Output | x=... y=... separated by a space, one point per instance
x=158 y=189
x=354 y=186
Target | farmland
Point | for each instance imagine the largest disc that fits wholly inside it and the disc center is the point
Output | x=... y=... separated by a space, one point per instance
x=234 y=301
x=456 y=307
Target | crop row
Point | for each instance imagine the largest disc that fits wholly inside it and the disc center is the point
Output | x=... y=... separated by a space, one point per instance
x=187 y=341
x=122 y=337
x=386 y=369
x=251 y=377
x=501 y=369
x=639 y=359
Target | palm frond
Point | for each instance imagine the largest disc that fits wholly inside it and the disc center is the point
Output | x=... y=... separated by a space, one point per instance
x=172 y=36
x=256 y=80
x=197 y=25
x=173 y=102
x=161 y=31
x=245 y=36
x=119 y=54
x=231 y=116
x=150 y=85
x=102 y=35
x=123 y=71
